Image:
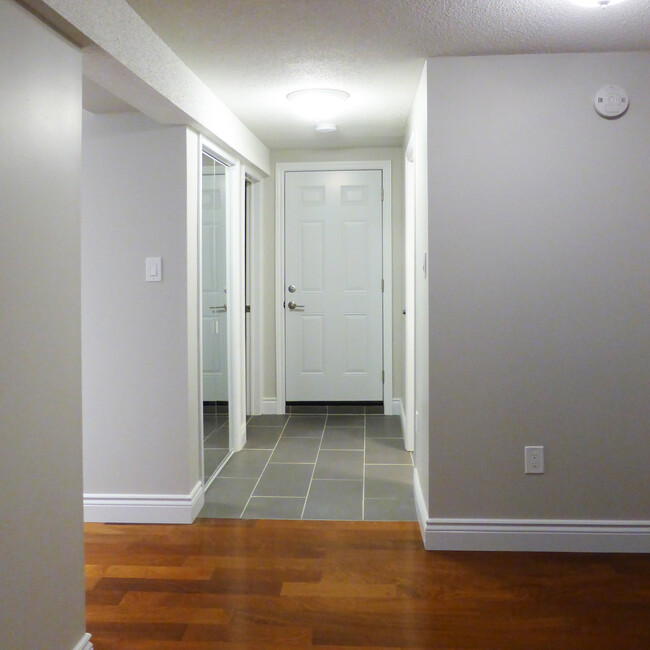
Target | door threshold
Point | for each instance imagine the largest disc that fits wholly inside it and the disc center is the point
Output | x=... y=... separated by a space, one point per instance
x=335 y=408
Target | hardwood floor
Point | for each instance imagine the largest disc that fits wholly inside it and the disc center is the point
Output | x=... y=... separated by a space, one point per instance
x=270 y=585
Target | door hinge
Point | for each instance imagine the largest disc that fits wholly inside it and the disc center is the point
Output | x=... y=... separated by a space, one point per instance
x=382 y=285
x=383 y=377
x=382 y=193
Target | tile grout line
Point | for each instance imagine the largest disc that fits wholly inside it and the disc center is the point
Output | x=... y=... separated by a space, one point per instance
x=311 y=480
x=259 y=478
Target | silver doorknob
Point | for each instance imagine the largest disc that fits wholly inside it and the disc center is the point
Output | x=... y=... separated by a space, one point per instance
x=292 y=305
x=292 y=288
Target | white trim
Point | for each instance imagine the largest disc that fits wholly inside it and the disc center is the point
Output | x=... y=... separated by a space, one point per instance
x=387 y=254
x=255 y=275
x=420 y=505
x=551 y=535
x=235 y=227
x=269 y=406
x=574 y=536
x=387 y=271
x=398 y=409
x=280 y=405
x=409 y=295
x=84 y=643
x=144 y=508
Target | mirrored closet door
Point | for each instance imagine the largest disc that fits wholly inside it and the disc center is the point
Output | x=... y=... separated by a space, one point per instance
x=214 y=315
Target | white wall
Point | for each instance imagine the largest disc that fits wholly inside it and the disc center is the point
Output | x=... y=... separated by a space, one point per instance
x=141 y=432
x=393 y=154
x=539 y=317
x=41 y=566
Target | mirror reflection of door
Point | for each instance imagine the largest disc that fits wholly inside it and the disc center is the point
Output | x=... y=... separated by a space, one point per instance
x=214 y=306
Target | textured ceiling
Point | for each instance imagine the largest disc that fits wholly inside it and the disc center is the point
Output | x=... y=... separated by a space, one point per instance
x=251 y=53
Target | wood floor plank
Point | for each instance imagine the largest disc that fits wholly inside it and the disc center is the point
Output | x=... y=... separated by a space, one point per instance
x=338 y=590
x=148 y=572
x=265 y=585
x=102 y=643
x=287 y=636
x=125 y=614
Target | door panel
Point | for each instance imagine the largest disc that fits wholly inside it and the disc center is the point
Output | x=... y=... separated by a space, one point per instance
x=312 y=257
x=312 y=343
x=333 y=257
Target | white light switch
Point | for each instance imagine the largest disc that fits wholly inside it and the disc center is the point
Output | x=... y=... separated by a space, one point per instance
x=153 y=267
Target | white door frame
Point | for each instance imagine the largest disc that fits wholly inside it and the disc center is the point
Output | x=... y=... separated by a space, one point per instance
x=409 y=297
x=253 y=245
x=236 y=294
x=387 y=309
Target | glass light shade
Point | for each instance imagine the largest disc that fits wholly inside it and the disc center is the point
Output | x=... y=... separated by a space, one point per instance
x=591 y=4
x=319 y=104
x=325 y=127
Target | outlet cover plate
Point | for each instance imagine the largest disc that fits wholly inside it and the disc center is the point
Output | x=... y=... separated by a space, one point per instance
x=534 y=460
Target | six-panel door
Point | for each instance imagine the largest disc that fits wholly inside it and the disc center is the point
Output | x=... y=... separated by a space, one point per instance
x=333 y=258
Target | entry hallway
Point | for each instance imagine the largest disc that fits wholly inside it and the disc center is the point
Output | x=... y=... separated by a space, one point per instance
x=282 y=585
x=335 y=465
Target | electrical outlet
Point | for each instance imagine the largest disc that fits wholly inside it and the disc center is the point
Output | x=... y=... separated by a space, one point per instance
x=534 y=460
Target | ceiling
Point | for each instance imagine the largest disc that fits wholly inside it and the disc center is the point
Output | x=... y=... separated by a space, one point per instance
x=251 y=53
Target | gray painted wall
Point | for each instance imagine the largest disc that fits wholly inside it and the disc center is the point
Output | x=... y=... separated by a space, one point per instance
x=41 y=566
x=140 y=434
x=539 y=313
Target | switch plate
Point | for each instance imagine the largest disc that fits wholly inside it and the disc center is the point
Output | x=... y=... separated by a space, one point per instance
x=153 y=269
x=534 y=460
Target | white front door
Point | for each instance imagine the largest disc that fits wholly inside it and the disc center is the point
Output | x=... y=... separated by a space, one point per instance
x=333 y=285
x=214 y=269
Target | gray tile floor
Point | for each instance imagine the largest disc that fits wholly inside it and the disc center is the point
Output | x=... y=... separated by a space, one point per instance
x=339 y=467
x=215 y=442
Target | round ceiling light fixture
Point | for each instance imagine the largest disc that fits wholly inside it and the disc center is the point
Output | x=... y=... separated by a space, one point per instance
x=320 y=104
x=591 y=4
x=325 y=127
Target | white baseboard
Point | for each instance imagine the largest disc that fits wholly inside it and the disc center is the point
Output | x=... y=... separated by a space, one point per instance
x=558 y=536
x=572 y=536
x=269 y=406
x=144 y=508
x=84 y=644
x=420 y=505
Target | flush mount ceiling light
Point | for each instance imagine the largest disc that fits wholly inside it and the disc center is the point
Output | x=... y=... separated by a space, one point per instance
x=591 y=4
x=319 y=104
x=325 y=127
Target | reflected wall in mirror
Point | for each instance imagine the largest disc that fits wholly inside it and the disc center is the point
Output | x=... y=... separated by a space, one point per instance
x=214 y=306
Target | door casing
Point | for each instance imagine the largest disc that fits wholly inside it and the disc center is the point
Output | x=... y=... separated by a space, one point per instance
x=254 y=275
x=280 y=169
x=410 y=359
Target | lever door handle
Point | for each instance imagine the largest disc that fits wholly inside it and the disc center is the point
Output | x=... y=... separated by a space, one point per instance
x=219 y=308
x=292 y=305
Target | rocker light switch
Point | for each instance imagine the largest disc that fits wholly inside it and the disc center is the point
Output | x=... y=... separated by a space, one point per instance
x=153 y=267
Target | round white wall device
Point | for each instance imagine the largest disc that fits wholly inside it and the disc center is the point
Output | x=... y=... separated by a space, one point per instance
x=611 y=101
